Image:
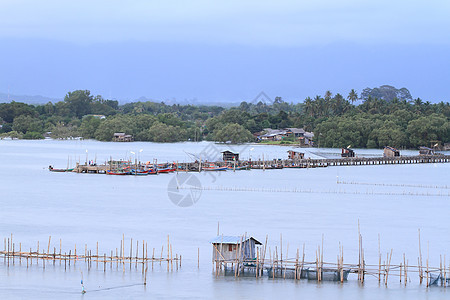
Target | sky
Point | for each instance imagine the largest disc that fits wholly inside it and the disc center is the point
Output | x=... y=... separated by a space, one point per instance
x=223 y=51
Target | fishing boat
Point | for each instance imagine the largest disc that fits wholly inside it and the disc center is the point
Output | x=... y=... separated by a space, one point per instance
x=213 y=167
x=138 y=172
x=109 y=172
x=152 y=171
x=51 y=169
x=166 y=170
x=239 y=168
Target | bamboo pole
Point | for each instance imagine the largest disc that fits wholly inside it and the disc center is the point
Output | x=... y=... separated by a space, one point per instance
x=420 y=261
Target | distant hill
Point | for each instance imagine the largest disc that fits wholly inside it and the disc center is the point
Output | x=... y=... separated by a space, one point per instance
x=36 y=99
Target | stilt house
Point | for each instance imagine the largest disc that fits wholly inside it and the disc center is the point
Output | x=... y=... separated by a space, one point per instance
x=347 y=152
x=234 y=247
x=230 y=156
x=390 y=152
x=295 y=154
x=426 y=151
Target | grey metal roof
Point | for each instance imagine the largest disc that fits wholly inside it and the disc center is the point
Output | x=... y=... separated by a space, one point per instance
x=296 y=130
x=224 y=239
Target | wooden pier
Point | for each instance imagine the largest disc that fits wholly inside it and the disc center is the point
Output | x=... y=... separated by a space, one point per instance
x=199 y=166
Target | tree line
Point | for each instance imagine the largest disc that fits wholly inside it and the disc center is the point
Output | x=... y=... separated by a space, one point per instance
x=335 y=120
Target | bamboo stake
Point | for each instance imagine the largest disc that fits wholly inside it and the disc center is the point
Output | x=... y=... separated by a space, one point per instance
x=428 y=256
x=97 y=256
x=131 y=249
x=388 y=268
x=379 y=259
x=420 y=261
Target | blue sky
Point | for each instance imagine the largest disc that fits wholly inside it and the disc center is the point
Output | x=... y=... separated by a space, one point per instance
x=223 y=50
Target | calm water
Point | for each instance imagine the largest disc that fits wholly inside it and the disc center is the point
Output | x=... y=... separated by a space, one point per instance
x=86 y=208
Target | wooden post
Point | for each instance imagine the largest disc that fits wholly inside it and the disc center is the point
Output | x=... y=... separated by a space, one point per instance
x=171 y=259
x=123 y=253
x=388 y=268
x=428 y=257
x=131 y=251
x=97 y=256
x=168 y=252
x=379 y=259
x=420 y=261
x=143 y=255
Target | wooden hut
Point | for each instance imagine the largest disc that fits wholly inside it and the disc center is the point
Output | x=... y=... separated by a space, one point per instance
x=234 y=247
x=122 y=137
x=426 y=151
x=390 y=152
x=347 y=152
x=295 y=154
x=230 y=156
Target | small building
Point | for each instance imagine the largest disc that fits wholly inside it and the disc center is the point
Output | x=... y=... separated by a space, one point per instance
x=295 y=154
x=122 y=137
x=230 y=156
x=347 y=152
x=273 y=134
x=390 y=152
x=234 y=247
x=426 y=151
x=297 y=132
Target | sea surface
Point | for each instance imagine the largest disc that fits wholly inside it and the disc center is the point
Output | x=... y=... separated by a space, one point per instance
x=298 y=206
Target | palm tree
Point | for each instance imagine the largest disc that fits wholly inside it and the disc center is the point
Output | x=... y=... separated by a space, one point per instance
x=309 y=106
x=352 y=96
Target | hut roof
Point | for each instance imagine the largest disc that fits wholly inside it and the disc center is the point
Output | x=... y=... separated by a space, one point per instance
x=295 y=151
x=228 y=151
x=391 y=148
x=296 y=130
x=223 y=239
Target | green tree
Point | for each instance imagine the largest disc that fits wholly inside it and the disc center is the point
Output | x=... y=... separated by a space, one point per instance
x=108 y=127
x=79 y=102
x=424 y=130
x=89 y=126
x=233 y=133
x=25 y=123
x=352 y=96
x=162 y=133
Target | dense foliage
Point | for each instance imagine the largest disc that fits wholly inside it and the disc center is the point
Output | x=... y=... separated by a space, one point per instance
x=334 y=119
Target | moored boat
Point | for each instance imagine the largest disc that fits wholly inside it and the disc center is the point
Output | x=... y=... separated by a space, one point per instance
x=152 y=171
x=239 y=168
x=213 y=167
x=166 y=170
x=138 y=172
x=109 y=172
x=51 y=169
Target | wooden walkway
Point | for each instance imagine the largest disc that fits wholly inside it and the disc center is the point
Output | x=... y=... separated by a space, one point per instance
x=280 y=164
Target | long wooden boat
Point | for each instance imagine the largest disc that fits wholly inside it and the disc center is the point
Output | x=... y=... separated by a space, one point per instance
x=51 y=169
x=239 y=168
x=138 y=172
x=152 y=171
x=109 y=172
x=215 y=168
x=166 y=170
